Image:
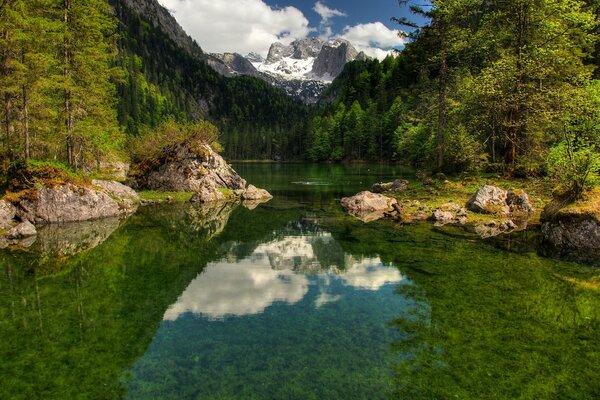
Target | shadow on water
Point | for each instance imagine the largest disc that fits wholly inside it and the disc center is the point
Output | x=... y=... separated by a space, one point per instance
x=294 y=300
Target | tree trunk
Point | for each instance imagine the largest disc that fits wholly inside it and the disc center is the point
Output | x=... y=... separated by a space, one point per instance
x=9 y=126
x=442 y=97
x=26 y=123
x=67 y=93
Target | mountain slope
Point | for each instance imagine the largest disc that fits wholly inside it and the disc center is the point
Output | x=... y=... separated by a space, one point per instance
x=169 y=76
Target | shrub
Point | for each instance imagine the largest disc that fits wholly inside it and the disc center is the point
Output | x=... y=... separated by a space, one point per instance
x=575 y=168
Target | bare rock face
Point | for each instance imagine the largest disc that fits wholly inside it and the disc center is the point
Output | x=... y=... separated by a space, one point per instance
x=23 y=230
x=68 y=203
x=489 y=200
x=116 y=189
x=232 y=64
x=256 y=194
x=333 y=57
x=192 y=170
x=368 y=206
x=277 y=51
x=572 y=234
x=7 y=214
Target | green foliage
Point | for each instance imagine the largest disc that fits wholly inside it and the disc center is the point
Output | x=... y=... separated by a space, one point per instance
x=150 y=145
x=574 y=162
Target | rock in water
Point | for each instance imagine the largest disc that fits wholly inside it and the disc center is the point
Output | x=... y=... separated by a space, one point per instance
x=489 y=200
x=23 y=230
x=254 y=193
x=368 y=206
x=573 y=233
x=193 y=169
x=7 y=214
x=68 y=203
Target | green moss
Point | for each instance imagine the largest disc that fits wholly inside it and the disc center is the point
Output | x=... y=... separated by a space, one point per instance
x=178 y=197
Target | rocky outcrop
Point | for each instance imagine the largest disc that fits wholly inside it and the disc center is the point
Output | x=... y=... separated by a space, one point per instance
x=332 y=59
x=397 y=186
x=493 y=200
x=7 y=214
x=232 y=64
x=573 y=232
x=368 y=206
x=199 y=169
x=162 y=20
x=190 y=168
x=68 y=203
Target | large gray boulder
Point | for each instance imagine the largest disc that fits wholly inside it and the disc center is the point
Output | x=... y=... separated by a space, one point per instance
x=192 y=168
x=368 y=206
x=68 y=203
x=489 y=200
x=7 y=214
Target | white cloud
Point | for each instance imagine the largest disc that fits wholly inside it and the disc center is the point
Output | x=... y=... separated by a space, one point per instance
x=238 y=25
x=327 y=13
x=373 y=38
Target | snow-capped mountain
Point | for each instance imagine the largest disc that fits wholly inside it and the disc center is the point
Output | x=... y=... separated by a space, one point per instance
x=308 y=59
x=304 y=68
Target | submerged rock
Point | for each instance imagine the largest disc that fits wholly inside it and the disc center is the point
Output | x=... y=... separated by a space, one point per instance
x=68 y=203
x=495 y=228
x=396 y=186
x=368 y=206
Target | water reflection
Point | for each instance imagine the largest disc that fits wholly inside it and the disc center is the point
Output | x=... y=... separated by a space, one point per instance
x=279 y=271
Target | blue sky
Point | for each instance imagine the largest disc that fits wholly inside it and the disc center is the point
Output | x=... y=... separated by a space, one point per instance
x=245 y=26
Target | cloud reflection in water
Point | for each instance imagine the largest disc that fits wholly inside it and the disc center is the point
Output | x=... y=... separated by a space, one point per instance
x=277 y=271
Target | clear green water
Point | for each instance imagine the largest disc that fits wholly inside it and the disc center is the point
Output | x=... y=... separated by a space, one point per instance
x=292 y=300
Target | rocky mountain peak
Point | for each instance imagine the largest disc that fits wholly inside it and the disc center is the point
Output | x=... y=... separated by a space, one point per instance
x=332 y=59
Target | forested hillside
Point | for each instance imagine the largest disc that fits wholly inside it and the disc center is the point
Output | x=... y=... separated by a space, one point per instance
x=484 y=85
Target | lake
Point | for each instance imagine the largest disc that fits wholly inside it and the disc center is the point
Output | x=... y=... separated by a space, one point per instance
x=292 y=299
